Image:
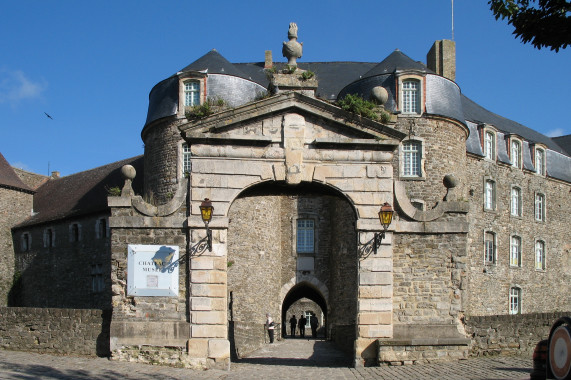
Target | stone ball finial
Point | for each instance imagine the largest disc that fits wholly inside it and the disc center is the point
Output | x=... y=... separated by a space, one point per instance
x=450 y=181
x=380 y=94
x=128 y=172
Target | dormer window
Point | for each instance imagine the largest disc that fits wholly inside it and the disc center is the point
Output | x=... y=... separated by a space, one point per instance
x=490 y=145
x=191 y=93
x=410 y=96
x=539 y=161
x=515 y=150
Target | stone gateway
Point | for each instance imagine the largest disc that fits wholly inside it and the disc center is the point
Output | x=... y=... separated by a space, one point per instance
x=297 y=161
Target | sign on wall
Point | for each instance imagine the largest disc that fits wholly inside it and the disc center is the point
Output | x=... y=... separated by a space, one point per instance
x=152 y=270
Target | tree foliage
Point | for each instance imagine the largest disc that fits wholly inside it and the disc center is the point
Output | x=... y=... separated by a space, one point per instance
x=543 y=23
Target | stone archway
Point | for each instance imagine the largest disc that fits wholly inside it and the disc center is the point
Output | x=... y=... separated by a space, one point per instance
x=304 y=290
x=266 y=271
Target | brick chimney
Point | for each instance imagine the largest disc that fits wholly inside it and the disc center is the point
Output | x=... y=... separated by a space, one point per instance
x=268 y=64
x=55 y=174
x=441 y=58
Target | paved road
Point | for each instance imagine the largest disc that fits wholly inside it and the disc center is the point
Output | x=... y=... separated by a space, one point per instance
x=286 y=359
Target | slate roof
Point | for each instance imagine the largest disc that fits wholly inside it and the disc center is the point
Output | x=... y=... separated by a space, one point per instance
x=82 y=193
x=396 y=61
x=564 y=142
x=9 y=178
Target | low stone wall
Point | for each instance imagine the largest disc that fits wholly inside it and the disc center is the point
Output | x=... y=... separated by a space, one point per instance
x=509 y=334
x=56 y=331
x=246 y=338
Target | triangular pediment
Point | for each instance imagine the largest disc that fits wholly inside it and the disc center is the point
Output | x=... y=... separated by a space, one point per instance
x=261 y=123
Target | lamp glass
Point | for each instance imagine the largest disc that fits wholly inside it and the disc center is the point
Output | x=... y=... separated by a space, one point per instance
x=206 y=210
x=386 y=215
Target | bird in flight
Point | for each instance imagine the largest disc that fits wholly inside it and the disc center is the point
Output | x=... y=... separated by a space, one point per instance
x=48 y=115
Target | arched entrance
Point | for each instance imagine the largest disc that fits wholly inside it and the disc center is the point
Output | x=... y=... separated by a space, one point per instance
x=299 y=293
x=297 y=235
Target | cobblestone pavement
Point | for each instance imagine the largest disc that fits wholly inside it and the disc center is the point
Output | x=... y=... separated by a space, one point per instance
x=287 y=359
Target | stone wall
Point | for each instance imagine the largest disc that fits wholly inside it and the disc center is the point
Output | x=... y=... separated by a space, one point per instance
x=55 y=331
x=443 y=153
x=509 y=334
x=489 y=284
x=15 y=206
x=62 y=275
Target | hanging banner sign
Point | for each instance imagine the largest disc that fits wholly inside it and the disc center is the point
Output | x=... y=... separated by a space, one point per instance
x=152 y=270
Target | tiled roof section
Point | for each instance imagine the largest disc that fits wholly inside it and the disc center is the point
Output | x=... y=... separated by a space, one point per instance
x=215 y=64
x=396 y=61
x=564 y=142
x=9 y=178
x=478 y=114
x=82 y=193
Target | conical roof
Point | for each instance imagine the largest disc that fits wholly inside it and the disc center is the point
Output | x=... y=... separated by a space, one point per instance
x=215 y=63
x=396 y=61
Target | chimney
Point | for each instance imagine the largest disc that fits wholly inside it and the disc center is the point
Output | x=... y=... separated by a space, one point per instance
x=442 y=59
x=268 y=61
x=55 y=175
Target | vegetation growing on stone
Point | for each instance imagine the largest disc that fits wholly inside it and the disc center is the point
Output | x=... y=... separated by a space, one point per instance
x=206 y=109
x=114 y=191
x=359 y=106
x=306 y=75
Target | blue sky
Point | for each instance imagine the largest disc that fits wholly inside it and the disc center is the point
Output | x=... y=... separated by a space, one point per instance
x=91 y=65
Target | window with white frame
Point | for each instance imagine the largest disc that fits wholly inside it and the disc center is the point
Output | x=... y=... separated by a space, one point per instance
x=49 y=238
x=515 y=203
x=539 y=207
x=516 y=153
x=515 y=251
x=305 y=235
x=540 y=255
x=101 y=228
x=186 y=163
x=191 y=93
x=490 y=145
x=412 y=155
x=489 y=247
x=489 y=195
x=410 y=96
x=25 y=242
x=97 y=282
x=540 y=161
x=515 y=300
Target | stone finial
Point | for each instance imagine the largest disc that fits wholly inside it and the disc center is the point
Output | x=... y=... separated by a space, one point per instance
x=450 y=182
x=129 y=173
x=292 y=49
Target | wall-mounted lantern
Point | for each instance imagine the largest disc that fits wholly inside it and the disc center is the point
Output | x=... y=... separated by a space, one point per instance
x=386 y=217
x=206 y=210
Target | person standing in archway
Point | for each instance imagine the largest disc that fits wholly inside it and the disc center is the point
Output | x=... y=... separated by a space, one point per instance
x=270 y=327
x=313 y=322
x=301 y=324
x=293 y=325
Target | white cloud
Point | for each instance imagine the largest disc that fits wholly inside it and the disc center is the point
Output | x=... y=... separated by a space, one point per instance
x=556 y=132
x=15 y=86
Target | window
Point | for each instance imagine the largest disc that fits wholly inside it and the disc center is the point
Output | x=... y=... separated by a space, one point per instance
x=74 y=233
x=490 y=146
x=489 y=248
x=515 y=204
x=97 y=283
x=101 y=228
x=539 y=207
x=25 y=242
x=489 y=195
x=185 y=159
x=515 y=300
x=516 y=153
x=305 y=236
x=191 y=93
x=539 y=255
x=411 y=154
x=540 y=161
x=49 y=238
x=515 y=251
x=411 y=96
